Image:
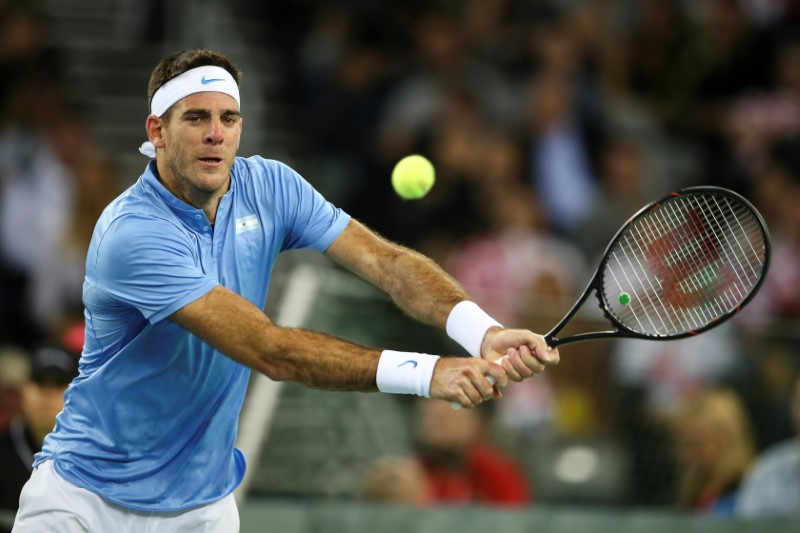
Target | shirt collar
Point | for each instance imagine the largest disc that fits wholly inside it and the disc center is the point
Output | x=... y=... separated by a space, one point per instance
x=189 y=215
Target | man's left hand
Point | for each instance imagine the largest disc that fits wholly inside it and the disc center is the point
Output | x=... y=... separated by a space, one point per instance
x=521 y=352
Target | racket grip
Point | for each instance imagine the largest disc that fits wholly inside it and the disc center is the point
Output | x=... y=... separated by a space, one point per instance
x=456 y=405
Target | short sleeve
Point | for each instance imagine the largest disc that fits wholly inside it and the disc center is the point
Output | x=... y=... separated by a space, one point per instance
x=310 y=220
x=150 y=264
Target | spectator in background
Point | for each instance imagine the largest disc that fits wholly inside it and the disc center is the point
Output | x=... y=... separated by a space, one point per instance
x=623 y=191
x=777 y=192
x=714 y=448
x=667 y=372
x=656 y=37
x=512 y=269
x=30 y=96
x=758 y=120
x=455 y=464
x=772 y=487
x=345 y=67
x=52 y=370
x=460 y=463
x=515 y=256
x=31 y=177
x=53 y=180
x=443 y=104
x=459 y=145
x=93 y=178
x=727 y=56
x=397 y=480
x=14 y=371
x=767 y=323
x=562 y=119
x=443 y=62
x=561 y=170
x=24 y=49
x=54 y=183
x=649 y=379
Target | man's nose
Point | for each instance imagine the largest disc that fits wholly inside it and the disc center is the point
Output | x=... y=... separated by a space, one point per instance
x=214 y=134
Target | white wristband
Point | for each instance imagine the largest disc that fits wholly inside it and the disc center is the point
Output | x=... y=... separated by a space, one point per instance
x=467 y=324
x=405 y=372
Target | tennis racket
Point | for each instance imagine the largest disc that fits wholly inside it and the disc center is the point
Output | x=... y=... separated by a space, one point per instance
x=678 y=267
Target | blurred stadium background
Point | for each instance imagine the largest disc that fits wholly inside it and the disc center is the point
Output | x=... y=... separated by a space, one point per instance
x=550 y=122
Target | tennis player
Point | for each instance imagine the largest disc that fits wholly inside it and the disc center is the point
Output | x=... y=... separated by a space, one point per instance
x=176 y=279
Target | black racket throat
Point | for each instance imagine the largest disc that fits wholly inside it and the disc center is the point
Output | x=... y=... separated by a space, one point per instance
x=679 y=266
x=553 y=340
x=619 y=331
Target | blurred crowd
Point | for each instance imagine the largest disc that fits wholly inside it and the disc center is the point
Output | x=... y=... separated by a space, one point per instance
x=549 y=123
x=54 y=182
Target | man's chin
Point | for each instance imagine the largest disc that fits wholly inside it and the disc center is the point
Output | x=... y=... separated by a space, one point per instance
x=211 y=181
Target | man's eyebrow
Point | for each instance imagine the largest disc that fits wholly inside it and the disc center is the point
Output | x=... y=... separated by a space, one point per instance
x=206 y=112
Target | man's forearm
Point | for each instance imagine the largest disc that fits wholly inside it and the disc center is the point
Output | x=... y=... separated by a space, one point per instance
x=244 y=333
x=422 y=289
x=415 y=283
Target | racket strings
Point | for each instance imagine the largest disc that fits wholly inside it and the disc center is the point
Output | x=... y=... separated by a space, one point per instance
x=628 y=283
x=715 y=253
x=685 y=263
x=702 y=252
x=654 y=302
x=737 y=253
x=746 y=252
x=659 y=231
x=729 y=250
x=651 y=231
x=705 y=250
x=654 y=307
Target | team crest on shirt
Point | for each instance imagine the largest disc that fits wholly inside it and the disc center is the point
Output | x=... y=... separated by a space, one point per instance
x=247 y=223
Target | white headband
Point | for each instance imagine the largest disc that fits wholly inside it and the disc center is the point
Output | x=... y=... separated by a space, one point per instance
x=197 y=80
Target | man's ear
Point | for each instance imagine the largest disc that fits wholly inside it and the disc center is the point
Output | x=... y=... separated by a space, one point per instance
x=153 y=126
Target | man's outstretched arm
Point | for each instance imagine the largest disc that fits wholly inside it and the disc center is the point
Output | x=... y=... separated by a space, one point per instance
x=243 y=332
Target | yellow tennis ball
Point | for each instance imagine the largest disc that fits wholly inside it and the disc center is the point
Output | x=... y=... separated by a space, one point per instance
x=412 y=177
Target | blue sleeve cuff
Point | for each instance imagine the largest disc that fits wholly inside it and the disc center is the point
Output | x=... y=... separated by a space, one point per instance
x=341 y=222
x=188 y=298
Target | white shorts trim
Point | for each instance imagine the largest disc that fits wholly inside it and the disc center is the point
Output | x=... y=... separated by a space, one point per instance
x=49 y=503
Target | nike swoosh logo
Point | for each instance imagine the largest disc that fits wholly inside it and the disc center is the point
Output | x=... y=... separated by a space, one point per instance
x=409 y=362
x=204 y=81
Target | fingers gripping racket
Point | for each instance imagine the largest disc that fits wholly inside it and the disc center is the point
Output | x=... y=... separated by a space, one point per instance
x=678 y=267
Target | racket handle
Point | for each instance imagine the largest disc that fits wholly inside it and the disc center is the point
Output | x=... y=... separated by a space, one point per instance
x=456 y=405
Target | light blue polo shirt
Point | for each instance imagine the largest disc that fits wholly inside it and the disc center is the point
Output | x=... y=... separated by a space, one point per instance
x=150 y=423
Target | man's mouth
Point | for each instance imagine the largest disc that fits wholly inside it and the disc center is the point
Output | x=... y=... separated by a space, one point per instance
x=211 y=160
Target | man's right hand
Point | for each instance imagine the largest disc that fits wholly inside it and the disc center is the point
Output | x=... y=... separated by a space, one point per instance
x=463 y=380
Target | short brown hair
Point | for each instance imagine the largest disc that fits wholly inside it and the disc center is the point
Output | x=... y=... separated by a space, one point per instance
x=179 y=62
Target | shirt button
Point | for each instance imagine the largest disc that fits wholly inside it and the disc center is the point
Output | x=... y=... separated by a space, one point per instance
x=198 y=216
x=205 y=228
